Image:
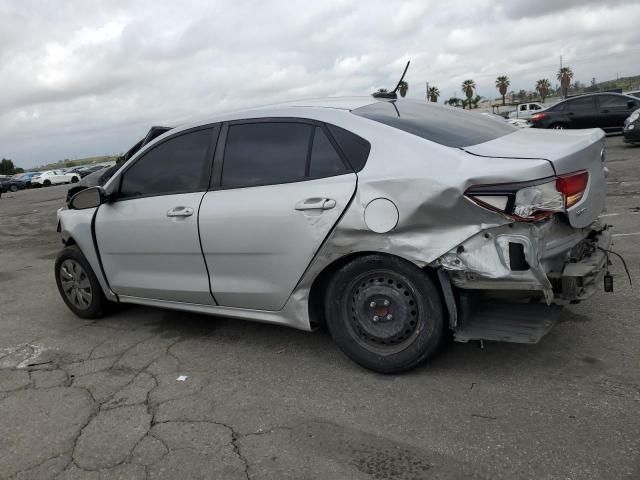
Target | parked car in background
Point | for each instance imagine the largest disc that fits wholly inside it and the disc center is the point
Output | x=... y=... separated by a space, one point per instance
x=392 y=222
x=632 y=128
x=28 y=177
x=13 y=184
x=55 y=177
x=607 y=111
x=526 y=110
x=83 y=172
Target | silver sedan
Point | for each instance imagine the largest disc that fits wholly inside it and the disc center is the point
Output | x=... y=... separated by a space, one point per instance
x=392 y=222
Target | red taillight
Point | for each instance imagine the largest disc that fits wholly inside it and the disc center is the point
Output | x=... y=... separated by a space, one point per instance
x=572 y=186
x=538 y=116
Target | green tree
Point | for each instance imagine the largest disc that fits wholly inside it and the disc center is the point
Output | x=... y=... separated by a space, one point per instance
x=543 y=87
x=404 y=87
x=502 y=84
x=433 y=93
x=454 y=102
x=468 y=87
x=565 y=75
x=7 y=167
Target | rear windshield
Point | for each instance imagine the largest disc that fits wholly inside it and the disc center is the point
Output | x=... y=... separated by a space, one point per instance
x=447 y=126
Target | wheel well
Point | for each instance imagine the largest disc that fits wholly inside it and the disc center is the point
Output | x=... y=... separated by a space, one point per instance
x=319 y=285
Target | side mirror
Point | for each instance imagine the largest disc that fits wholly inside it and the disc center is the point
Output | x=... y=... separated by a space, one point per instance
x=88 y=198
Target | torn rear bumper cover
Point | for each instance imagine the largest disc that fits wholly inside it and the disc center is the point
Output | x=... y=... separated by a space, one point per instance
x=562 y=263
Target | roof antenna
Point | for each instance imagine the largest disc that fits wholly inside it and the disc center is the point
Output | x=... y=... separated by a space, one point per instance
x=392 y=95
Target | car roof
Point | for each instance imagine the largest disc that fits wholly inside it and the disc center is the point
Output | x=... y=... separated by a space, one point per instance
x=340 y=103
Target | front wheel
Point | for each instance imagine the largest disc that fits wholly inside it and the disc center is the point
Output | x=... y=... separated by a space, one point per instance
x=46 y=183
x=74 y=179
x=13 y=188
x=385 y=313
x=78 y=285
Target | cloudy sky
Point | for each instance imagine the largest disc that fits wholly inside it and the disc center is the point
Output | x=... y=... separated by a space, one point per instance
x=88 y=77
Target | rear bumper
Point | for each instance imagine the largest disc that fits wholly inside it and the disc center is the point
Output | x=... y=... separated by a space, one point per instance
x=551 y=260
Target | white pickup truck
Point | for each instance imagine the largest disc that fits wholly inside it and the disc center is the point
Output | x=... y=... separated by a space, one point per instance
x=526 y=110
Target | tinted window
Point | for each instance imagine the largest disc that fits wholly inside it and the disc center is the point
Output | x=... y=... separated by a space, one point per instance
x=355 y=149
x=177 y=165
x=265 y=153
x=325 y=161
x=581 y=104
x=447 y=126
x=615 y=102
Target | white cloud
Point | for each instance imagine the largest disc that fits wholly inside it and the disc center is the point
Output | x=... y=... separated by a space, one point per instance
x=85 y=78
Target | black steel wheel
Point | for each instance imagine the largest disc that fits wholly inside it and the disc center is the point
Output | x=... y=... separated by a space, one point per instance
x=384 y=313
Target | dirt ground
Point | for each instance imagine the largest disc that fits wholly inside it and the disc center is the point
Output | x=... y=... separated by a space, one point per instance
x=103 y=399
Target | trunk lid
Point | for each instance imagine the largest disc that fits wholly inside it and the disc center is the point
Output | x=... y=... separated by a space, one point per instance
x=568 y=151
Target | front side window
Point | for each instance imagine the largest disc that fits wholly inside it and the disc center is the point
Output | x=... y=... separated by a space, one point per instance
x=580 y=104
x=178 y=165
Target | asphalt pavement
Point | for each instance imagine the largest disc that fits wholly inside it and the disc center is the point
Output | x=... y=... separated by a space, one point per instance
x=149 y=393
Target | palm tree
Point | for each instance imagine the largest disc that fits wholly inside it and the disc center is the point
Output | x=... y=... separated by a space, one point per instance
x=468 y=86
x=433 y=93
x=502 y=84
x=475 y=101
x=543 y=87
x=565 y=74
x=404 y=86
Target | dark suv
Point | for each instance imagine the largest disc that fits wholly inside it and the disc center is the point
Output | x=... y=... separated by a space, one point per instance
x=607 y=111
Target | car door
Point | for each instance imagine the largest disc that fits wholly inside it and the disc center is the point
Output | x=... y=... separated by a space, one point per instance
x=279 y=188
x=147 y=236
x=614 y=109
x=581 y=112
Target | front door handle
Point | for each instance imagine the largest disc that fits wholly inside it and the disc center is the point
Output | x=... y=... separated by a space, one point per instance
x=316 y=203
x=180 y=212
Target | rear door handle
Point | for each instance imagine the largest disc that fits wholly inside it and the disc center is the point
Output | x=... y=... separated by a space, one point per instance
x=316 y=203
x=180 y=212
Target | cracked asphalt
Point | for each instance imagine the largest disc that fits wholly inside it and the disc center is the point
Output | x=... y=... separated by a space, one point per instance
x=102 y=399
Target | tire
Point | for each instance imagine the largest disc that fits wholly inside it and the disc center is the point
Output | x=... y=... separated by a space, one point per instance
x=558 y=126
x=13 y=188
x=47 y=183
x=74 y=179
x=385 y=313
x=78 y=285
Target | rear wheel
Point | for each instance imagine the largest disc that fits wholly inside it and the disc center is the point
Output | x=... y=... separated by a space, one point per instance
x=74 y=179
x=384 y=313
x=13 y=188
x=78 y=285
x=558 y=126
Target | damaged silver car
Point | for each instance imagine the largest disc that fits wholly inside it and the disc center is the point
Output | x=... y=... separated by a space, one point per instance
x=392 y=222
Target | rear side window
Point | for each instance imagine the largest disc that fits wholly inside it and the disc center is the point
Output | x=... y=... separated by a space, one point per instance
x=447 y=126
x=325 y=161
x=179 y=165
x=265 y=154
x=355 y=149
x=270 y=153
x=615 y=102
x=581 y=104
